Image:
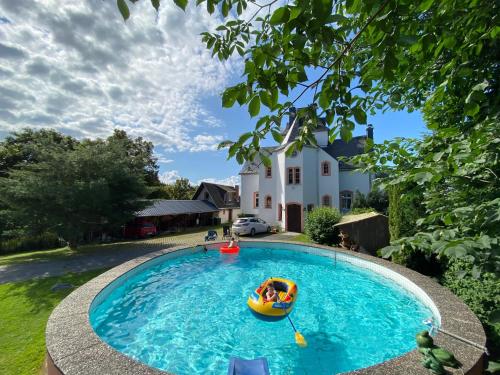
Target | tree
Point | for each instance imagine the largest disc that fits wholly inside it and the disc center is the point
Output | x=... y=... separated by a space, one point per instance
x=96 y=185
x=26 y=146
x=139 y=152
x=359 y=200
x=181 y=189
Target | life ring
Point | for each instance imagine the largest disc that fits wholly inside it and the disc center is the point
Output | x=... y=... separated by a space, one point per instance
x=229 y=250
x=270 y=310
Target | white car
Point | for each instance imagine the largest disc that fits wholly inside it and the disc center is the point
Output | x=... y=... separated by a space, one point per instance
x=250 y=225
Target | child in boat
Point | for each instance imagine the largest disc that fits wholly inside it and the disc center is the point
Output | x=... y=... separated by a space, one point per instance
x=271 y=294
x=232 y=243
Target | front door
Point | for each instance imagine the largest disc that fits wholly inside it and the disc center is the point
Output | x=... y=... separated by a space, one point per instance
x=230 y=215
x=294 y=217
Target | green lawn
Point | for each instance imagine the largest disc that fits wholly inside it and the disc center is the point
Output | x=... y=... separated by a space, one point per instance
x=302 y=238
x=24 y=310
x=190 y=236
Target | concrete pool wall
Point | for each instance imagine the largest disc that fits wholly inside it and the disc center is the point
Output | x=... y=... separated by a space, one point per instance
x=73 y=348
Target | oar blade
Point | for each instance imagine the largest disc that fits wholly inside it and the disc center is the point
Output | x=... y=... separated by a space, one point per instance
x=300 y=340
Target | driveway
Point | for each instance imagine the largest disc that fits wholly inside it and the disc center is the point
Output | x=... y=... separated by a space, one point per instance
x=107 y=256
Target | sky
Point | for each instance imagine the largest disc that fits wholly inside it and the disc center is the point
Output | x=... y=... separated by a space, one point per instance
x=77 y=67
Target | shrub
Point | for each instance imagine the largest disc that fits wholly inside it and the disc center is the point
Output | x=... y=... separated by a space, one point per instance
x=481 y=294
x=319 y=225
x=29 y=243
x=378 y=200
x=359 y=200
x=404 y=211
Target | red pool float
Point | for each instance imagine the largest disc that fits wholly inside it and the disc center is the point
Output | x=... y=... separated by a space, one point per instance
x=229 y=250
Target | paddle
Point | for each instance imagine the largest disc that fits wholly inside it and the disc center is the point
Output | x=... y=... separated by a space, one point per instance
x=299 y=339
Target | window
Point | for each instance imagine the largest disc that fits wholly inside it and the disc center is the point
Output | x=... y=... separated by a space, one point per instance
x=280 y=212
x=256 y=200
x=326 y=201
x=325 y=168
x=206 y=195
x=297 y=176
x=310 y=207
x=268 y=202
x=293 y=176
x=269 y=172
x=345 y=200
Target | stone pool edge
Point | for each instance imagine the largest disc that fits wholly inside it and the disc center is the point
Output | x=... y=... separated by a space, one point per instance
x=73 y=348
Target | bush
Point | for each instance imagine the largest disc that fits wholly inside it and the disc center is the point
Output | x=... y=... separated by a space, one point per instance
x=359 y=200
x=30 y=243
x=481 y=294
x=378 y=200
x=319 y=225
x=404 y=211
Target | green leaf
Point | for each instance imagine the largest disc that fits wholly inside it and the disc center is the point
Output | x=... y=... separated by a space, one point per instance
x=324 y=98
x=265 y=98
x=425 y=5
x=229 y=97
x=225 y=8
x=156 y=4
x=123 y=8
x=244 y=137
x=280 y=15
x=422 y=177
x=266 y=160
x=493 y=367
x=359 y=115
x=254 y=107
x=471 y=109
x=278 y=137
x=181 y=4
x=274 y=97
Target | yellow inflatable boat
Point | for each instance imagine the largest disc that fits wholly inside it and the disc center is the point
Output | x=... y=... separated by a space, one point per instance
x=273 y=310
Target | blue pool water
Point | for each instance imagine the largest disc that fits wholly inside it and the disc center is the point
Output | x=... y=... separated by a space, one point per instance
x=188 y=314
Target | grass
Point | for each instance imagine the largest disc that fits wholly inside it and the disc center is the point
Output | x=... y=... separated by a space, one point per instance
x=191 y=235
x=302 y=238
x=24 y=311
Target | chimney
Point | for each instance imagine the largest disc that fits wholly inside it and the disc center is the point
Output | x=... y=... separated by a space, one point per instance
x=369 y=131
x=237 y=188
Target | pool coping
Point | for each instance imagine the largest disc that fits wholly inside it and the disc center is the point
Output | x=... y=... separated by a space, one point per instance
x=73 y=348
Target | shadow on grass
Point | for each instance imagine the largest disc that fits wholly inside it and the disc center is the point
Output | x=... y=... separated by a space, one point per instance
x=35 y=296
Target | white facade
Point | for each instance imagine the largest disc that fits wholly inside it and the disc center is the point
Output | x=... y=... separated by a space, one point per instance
x=312 y=189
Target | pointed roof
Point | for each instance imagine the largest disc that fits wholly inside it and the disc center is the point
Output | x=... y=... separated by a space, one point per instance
x=217 y=192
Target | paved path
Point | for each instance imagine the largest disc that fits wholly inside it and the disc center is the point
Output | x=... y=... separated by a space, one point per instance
x=108 y=257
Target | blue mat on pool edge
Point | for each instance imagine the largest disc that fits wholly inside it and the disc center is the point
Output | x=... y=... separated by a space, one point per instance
x=239 y=366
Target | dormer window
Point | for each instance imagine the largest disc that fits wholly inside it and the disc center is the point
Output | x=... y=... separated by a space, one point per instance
x=325 y=168
x=207 y=196
x=269 y=172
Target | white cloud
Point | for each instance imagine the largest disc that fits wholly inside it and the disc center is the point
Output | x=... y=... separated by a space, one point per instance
x=231 y=181
x=169 y=177
x=162 y=159
x=77 y=67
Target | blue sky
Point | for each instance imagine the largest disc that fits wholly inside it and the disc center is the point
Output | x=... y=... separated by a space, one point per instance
x=75 y=66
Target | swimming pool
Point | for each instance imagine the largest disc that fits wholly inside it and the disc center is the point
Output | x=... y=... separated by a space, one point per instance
x=186 y=312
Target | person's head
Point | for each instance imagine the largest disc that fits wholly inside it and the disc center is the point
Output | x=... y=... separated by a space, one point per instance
x=270 y=286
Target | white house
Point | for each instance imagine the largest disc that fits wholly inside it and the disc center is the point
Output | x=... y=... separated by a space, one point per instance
x=283 y=193
x=225 y=198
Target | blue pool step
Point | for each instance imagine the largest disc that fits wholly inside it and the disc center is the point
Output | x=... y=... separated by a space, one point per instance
x=239 y=366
